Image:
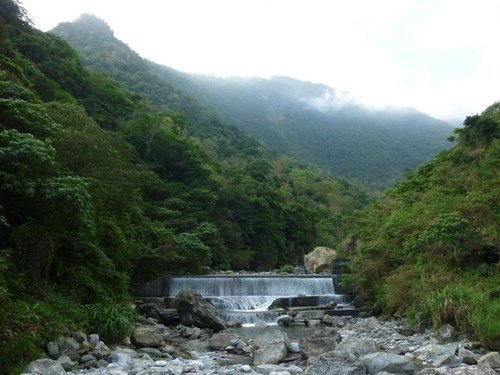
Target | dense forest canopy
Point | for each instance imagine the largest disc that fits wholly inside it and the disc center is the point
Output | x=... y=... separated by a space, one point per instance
x=310 y=122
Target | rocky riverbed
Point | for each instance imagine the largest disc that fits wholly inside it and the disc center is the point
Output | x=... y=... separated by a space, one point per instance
x=336 y=345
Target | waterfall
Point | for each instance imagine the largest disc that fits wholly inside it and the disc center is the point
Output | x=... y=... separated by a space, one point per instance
x=247 y=298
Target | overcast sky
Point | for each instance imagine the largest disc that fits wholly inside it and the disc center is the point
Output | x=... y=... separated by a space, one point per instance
x=438 y=56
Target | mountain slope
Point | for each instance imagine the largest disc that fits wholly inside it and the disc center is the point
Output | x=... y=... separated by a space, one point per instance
x=431 y=244
x=310 y=122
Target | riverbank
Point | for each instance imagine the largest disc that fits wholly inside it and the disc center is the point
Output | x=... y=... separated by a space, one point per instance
x=340 y=345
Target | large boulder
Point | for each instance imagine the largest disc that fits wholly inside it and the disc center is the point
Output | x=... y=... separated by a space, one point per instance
x=45 y=367
x=320 y=259
x=193 y=310
x=354 y=348
x=321 y=341
x=222 y=340
x=146 y=337
x=390 y=362
x=491 y=359
x=336 y=363
x=271 y=347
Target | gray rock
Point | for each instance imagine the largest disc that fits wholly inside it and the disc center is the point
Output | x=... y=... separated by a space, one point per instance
x=429 y=371
x=102 y=363
x=66 y=363
x=74 y=355
x=390 y=362
x=320 y=342
x=470 y=370
x=333 y=363
x=79 y=336
x=70 y=344
x=93 y=339
x=45 y=367
x=101 y=350
x=491 y=359
x=354 y=348
x=168 y=317
x=284 y=320
x=53 y=350
x=329 y=320
x=293 y=347
x=271 y=347
x=146 y=337
x=193 y=310
x=88 y=357
x=467 y=356
x=152 y=352
x=320 y=259
x=267 y=369
x=221 y=340
x=190 y=332
x=245 y=368
x=90 y=364
x=430 y=352
x=447 y=360
x=446 y=333
x=120 y=358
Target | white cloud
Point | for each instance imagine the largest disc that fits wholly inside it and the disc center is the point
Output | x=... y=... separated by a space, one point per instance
x=388 y=52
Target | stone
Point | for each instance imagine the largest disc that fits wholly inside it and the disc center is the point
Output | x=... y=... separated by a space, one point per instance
x=320 y=259
x=70 y=344
x=101 y=350
x=94 y=339
x=390 y=362
x=90 y=364
x=168 y=317
x=152 y=352
x=66 y=363
x=467 y=356
x=271 y=347
x=53 y=350
x=491 y=359
x=448 y=360
x=446 y=333
x=79 y=336
x=293 y=347
x=190 y=332
x=354 y=348
x=285 y=320
x=245 y=368
x=45 y=367
x=87 y=358
x=431 y=351
x=221 y=340
x=335 y=363
x=120 y=358
x=321 y=341
x=234 y=324
x=268 y=369
x=329 y=320
x=193 y=310
x=102 y=363
x=74 y=355
x=146 y=337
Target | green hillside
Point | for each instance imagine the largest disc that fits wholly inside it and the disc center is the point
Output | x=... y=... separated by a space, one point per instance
x=102 y=189
x=431 y=244
x=310 y=122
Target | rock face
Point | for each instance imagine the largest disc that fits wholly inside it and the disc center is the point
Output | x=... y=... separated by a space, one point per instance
x=320 y=259
x=392 y=363
x=45 y=367
x=271 y=347
x=194 y=310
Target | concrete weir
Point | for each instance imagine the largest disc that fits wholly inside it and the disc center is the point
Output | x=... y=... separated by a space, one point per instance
x=247 y=298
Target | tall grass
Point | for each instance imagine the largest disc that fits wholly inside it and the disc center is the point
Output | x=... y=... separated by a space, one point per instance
x=113 y=322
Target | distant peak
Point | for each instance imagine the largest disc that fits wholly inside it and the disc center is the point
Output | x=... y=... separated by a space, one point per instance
x=95 y=23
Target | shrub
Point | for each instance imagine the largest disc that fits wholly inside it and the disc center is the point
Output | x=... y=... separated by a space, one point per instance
x=113 y=322
x=287 y=268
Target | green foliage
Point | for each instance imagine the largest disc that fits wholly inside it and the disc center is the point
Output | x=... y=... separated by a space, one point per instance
x=287 y=268
x=113 y=322
x=431 y=243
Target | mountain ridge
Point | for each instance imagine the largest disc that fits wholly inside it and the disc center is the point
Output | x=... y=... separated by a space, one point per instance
x=372 y=147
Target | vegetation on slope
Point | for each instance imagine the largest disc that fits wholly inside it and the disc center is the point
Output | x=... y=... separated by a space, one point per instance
x=101 y=189
x=309 y=122
x=431 y=243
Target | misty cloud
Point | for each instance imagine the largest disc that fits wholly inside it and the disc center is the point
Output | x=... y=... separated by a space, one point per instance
x=330 y=101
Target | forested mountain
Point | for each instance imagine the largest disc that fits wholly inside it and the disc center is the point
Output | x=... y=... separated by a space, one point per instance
x=310 y=122
x=101 y=188
x=431 y=244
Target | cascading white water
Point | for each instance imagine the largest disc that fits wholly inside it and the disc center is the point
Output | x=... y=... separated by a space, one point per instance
x=246 y=298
